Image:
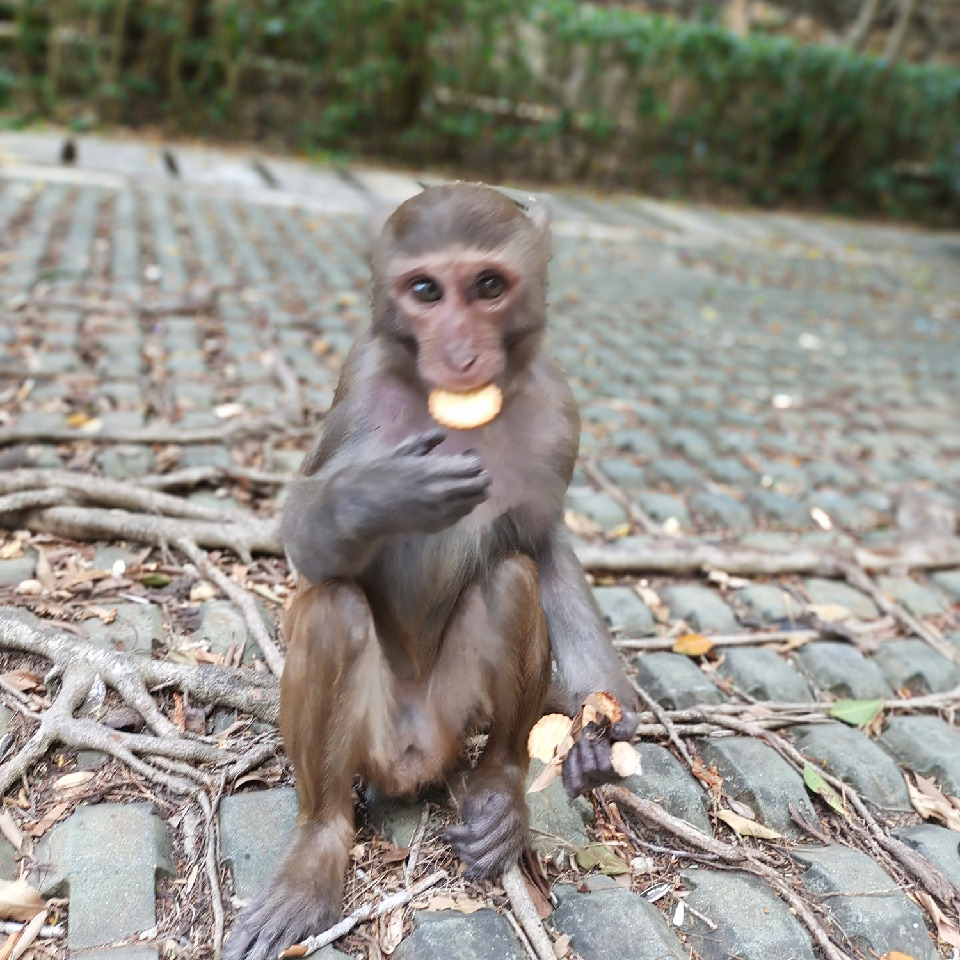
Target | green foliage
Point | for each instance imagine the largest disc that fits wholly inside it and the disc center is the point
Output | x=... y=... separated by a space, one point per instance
x=508 y=88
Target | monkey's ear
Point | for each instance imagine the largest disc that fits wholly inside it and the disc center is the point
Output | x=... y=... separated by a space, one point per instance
x=540 y=213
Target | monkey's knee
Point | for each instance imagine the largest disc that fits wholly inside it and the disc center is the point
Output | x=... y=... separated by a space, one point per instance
x=332 y=617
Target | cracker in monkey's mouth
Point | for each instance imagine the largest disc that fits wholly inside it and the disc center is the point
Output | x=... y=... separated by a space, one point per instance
x=465 y=411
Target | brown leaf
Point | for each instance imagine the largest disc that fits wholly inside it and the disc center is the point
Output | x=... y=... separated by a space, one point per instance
x=72 y=780
x=692 y=645
x=544 y=778
x=929 y=801
x=9 y=828
x=179 y=717
x=394 y=854
x=44 y=572
x=391 y=930
x=295 y=951
x=708 y=777
x=747 y=828
x=946 y=930
x=22 y=680
x=19 y=901
x=561 y=946
x=49 y=819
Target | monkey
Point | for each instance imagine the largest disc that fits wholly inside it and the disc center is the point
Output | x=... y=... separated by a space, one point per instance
x=436 y=586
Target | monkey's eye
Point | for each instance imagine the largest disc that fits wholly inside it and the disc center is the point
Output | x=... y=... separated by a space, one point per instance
x=490 y=286
x=426 y=290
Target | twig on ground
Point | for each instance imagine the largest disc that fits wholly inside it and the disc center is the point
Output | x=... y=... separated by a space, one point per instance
x=32 y=499
x=860 y=580
x=795 y=638
x=365 y=912
x=652 y=813
x=211 y=859
x=252 y=535
x=416 y=843
x=194 y=476
x=46 y=932
x=521 y=936
x=665 y=722
x=241 y=598
x=639 y=516
x=524 y=910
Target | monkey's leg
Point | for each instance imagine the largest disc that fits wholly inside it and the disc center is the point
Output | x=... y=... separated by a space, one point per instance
x=334 y=690
x=501 y=628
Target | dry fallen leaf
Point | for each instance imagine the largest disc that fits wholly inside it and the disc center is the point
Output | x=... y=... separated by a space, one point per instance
x=9 y=828
x=49 y=819
x=71 y=780
x=203 y=591
x=708 y=777
x=561 y=946
x=30 y=588
x=11 y=550
x=747 y=828
x=391 y=931
x=22 y=680
x=929 y=801
x=692 y=645
x=19 y=901
x=946 y=930
x=605 y=704
x=624 y=759
x=831 y=612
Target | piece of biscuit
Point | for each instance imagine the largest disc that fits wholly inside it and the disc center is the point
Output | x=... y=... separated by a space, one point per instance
x=465 y=411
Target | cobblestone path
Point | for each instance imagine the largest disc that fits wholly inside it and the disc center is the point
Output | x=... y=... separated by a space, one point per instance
x=765 y=379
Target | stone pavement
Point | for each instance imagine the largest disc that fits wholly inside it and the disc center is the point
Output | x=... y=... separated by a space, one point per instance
x=766 y=378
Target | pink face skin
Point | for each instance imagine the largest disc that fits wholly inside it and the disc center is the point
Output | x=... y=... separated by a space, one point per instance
x=459 y=306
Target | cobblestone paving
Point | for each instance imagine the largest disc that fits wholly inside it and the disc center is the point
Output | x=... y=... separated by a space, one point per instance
x=773 y=379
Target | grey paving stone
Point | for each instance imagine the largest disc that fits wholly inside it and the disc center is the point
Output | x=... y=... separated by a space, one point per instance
x=484 y=935
x=691 y=443
x=925 y=745
x=768 y=603
x=665 y=780
x=753 y=923
x=731 y=471
x=675 y=474
x=873 y=920
x=834 y=592
x=202 y=455
x=853 y=757
x=624 y=611
x=757 y=775
x=841 y=509
x=764 y=675
x=634 y=441
x=769 y=541
x=700 y=607
x=136 y=629
x=9 y=868
x=841 y=669
x=938 y=844
x=914 y=665
x=919 y=600
x=255 y=829
x=125 y=461
x=222 y=624
x=599 y=507
x=947 y=581
x=15 y=571
x=107 y=554
x=107 y=857
x=780 y=510
x=721 y=509
x=119 y=953
x=624 y=474
x=614 y=924
x=553 y=815
x=662 y=507
x=675 y=681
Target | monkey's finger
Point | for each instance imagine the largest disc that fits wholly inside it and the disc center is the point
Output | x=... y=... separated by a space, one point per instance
x=601 y=753
x=421 y=444
x=625 y=728
x=572 y=777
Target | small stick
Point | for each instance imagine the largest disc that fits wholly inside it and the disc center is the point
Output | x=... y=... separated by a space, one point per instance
x=515 y=888
x=667 y=723
x=239 y=596
x=365 y=912
x=210 y=864
x=26 y=938
x=521 y=936
x=730 y=640
x=415 y=844
x=640 y=517
x=46 y=932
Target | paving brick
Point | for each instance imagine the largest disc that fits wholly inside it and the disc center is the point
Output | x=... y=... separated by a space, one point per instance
x=938 y=844
x=920 y=601
x=779 y=509
x=107 y=858
x=634 y=441
x=865 y=908
x=764 y=675
x=841 y=669
x=853 y=757
x=675 y=681
x=757 y=775
x=768 y=603
x=665 y=780
x=915 y=666
x=553 y=815
x=18 y=569
x=925 y=745
x=484 y=935
x=624 y=474
x=599 y=507
x=752 y=922
x=136 y=629
x=948 y=582
x=719 y=508
x=614 y=924
x=700 y=607
x=624 y=611
x=662 y=507
x=255 y=829
x=833 y=592
x=674 y=474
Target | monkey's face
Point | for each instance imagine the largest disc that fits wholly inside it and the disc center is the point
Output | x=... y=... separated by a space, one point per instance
x=460 y=286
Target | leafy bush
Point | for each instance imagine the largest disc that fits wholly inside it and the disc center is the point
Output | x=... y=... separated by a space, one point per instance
x=523 y=89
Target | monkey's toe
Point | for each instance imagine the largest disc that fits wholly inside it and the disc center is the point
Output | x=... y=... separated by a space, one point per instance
x=491 y=837
x=277 y=919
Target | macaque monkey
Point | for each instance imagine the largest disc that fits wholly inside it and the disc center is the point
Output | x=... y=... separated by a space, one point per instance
x=435 y=577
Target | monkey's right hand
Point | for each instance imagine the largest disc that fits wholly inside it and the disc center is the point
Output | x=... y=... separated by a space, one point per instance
x=408 y=491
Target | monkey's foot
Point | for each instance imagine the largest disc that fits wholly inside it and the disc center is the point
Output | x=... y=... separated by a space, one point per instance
x=492 y=835
x=279 y=917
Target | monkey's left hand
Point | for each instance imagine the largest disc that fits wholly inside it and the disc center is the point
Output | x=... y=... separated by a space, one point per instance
x=588 y=763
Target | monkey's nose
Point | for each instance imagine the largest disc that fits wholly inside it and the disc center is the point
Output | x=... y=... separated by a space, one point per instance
x=461 y=363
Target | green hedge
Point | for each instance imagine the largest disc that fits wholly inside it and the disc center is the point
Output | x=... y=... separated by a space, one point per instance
x=528 y=89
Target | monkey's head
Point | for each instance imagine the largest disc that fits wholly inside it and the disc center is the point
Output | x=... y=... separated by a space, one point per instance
x=459 y=285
